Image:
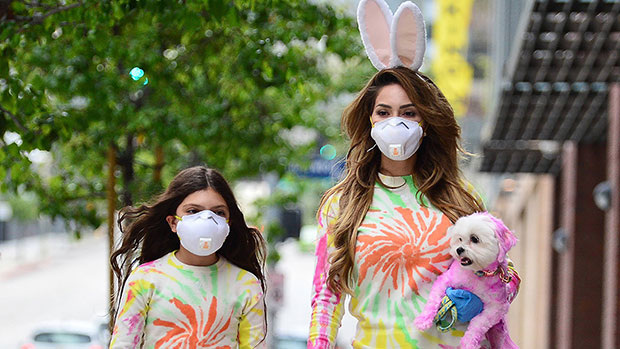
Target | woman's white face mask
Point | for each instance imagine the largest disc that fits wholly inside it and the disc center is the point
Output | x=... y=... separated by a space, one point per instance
x=202 y=233
x=397 y=137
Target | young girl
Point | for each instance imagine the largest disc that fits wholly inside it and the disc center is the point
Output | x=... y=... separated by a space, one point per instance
x=199 y=282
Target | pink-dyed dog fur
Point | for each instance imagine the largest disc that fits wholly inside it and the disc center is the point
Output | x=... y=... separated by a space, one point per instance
x=494 y=293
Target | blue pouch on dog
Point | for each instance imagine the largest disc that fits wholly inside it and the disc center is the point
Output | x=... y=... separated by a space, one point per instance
x=467 y=304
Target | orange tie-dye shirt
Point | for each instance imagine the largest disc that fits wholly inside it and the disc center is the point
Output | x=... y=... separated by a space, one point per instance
x=401 y=249
x=168 y=304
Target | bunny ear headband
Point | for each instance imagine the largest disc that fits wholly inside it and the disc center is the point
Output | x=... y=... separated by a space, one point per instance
x=392 y=40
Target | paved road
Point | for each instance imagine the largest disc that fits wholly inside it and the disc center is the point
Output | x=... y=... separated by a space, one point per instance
x=48 y=279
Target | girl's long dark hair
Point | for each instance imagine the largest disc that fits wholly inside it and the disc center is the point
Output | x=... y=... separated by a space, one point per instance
x=146 y=236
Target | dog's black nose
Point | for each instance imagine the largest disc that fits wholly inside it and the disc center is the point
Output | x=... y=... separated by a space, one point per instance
x=460 y=250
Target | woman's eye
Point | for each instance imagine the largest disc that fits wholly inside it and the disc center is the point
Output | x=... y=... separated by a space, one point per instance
x=410 y=113
x=220 y=213
x=383 y=113
x=474 y=239
x=192 y=211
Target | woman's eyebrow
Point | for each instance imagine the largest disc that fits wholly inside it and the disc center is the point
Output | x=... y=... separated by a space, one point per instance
x=384 y=106
x=220 y=207
x=407 y=106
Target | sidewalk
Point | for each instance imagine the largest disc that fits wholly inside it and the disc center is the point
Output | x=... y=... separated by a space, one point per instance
x=22 y=255
x=51 y=278
x=293 y=318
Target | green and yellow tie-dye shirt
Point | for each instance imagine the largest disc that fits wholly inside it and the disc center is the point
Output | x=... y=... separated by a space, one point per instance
x=169 y=304
x=401 y=249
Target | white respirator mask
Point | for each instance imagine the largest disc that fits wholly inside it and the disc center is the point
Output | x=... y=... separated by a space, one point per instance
x=202 y=233
x=397 y=137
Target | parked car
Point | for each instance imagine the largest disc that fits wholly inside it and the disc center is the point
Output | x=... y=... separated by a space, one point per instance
x=290 y=342
x=65 y=335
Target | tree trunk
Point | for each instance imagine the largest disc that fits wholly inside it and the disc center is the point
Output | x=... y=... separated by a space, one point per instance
x=111 y=198
x=159 y=164
x=126 y=162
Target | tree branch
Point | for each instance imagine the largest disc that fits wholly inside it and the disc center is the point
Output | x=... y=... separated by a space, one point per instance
x=15 y=120
x=37 y=4
x=37 y=19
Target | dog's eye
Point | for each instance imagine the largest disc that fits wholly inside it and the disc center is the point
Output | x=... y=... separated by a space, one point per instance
x=475 y=239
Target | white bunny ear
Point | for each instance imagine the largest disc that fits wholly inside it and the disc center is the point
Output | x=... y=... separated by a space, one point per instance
x=408 y=37
x=374 y=20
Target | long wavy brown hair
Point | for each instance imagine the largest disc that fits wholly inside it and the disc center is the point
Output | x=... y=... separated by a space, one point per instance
x=436 y=172
x=147 y=236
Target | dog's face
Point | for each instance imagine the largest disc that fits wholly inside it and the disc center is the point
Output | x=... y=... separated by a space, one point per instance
x=473 y=242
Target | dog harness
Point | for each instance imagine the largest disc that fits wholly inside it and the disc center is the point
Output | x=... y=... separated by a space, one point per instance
x=509 y=276
x=505 y=276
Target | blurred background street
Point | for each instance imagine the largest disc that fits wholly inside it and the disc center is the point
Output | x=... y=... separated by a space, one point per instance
x=51 y=278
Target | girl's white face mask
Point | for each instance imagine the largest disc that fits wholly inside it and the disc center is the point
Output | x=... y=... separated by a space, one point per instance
x=397 y=137
x=202 y=233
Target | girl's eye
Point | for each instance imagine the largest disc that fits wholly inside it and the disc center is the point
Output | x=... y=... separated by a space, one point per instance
x=220 y=213
x=475 y=239
x=192 y=211
x=383 y=113
x=410 y=113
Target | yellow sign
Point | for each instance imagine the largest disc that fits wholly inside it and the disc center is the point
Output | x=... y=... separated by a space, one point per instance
x=451 y=71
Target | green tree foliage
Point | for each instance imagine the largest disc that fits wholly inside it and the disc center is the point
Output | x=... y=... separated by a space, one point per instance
x=221 y=80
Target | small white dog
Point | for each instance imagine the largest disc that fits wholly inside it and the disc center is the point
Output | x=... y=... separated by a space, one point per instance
x=478 y=244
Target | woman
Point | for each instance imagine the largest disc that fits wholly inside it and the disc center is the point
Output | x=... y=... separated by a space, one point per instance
x=382 y=229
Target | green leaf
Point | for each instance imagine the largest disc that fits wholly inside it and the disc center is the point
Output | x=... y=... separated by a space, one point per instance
x=212 y=97
x=18 y=7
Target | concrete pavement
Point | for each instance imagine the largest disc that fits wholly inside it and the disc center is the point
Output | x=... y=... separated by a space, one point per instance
x=50 y=278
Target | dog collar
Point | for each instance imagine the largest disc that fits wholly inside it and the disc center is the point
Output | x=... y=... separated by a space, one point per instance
x=506 y=277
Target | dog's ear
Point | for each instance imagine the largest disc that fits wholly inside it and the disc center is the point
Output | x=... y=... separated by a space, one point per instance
x=510 y=240
x=505 y=237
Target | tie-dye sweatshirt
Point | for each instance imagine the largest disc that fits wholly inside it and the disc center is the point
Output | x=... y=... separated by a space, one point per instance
x=401 y=249
x=170 y=304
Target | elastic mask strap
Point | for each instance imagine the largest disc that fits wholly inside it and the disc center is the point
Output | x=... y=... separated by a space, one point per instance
x=180 y=219
x=371 y=126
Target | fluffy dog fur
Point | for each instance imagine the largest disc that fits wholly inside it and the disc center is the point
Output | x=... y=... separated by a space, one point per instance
x=478 y=242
